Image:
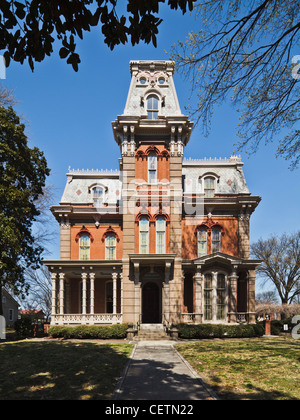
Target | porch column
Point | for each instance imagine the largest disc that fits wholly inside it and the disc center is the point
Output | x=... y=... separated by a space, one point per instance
x=251 y=297
x=114 y=277
x=137 y=293
x=61 y=292
x=84 y=277
x=92 y=293
x=233 y=295
x=53 y=277
x=121 y=281
x=166 y=294
x=198 y=287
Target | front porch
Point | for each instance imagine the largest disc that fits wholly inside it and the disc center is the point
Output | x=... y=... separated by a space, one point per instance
x=219 y=289
x=86 y=293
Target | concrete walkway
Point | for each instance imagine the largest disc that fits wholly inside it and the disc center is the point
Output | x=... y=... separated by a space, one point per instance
x=156 y=371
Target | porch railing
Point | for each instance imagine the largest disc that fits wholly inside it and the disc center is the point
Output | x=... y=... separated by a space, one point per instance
x=191 y=317
x=91 y=319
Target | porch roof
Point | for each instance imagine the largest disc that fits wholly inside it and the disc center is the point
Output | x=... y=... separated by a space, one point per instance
x=224 y=259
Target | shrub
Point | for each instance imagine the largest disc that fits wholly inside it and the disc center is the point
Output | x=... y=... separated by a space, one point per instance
x=23 y=327
x=219 y=331
x=89 y=332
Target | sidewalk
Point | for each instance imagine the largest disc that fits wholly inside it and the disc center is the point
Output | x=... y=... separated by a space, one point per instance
x=156 y=371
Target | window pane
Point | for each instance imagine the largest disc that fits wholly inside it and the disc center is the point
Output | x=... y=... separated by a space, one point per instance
x=208 y=281
x=161 y=242
x=144 y=225
x=153 y=103
x=221 y=281
x=152 y=161
x=84 y=247
x=160 y=224
x=110 y=245
x=209 y=187
x=98 y=195
x=202 y=242
x=216 y=240
x=208 y=305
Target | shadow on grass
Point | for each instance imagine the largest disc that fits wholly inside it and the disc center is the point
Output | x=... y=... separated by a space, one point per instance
x=60 y=370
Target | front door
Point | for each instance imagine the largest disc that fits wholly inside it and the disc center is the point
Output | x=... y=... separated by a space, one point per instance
x=150 y=307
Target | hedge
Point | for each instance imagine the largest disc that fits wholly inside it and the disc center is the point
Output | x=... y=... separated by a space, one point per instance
x=89 y=331
x=219 y=331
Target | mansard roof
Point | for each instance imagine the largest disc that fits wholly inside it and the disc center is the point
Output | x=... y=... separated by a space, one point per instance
x=80 y=183
x=228 y=173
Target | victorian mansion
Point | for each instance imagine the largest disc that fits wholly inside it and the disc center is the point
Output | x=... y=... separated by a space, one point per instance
x=163 y=239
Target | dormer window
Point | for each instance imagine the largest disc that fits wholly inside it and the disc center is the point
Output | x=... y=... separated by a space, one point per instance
x=98 y=196
x=209 y=187
x=152 y=107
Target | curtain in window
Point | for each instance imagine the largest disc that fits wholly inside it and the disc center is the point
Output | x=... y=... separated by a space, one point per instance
x=202 y=242
x=209 y=187
x=110 y=248
x=160 y=235
x=84 y=247
x=144 y=236
x=98 y=196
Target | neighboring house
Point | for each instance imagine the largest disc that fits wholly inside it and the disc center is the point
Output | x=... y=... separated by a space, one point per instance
x=36 y=315
x=10 y=308
x=163 y=239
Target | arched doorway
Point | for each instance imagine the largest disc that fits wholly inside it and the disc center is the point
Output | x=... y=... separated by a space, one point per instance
x=151 y=312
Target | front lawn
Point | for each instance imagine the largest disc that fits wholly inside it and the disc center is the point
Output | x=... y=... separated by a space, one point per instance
x=248 y=369
x=34 y=370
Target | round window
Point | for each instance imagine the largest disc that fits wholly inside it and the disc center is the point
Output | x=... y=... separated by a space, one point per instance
x=161 y=80
x=143 y=80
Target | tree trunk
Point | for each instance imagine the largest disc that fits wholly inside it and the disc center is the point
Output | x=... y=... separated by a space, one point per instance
x=1 y=307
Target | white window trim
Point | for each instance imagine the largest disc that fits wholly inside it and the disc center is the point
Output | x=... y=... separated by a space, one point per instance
x=159 y=99
x=140 y=242
x=106 y=249
x=156 y=238
x=89 y=253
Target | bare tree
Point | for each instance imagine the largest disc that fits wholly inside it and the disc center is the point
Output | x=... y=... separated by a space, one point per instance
x=40 y=288
x=246 y=51
x=280 y=264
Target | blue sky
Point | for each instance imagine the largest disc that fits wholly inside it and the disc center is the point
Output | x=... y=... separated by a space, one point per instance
x=68 y=115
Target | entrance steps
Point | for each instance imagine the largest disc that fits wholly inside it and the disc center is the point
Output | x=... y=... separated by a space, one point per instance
x=149 y=332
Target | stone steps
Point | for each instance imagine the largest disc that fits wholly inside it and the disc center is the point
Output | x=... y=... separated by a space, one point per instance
x=149 y=332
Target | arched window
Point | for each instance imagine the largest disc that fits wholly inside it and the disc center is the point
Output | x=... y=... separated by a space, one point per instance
x=202 y=242
x=152 y=107
x=98 y=196
x=152 y=168
x=221 y=293
x=160 y=235
x=110 y=247
x=208 y=297
x=215 y=239
x=84 y=247
x=209 y=187
x=144 y=235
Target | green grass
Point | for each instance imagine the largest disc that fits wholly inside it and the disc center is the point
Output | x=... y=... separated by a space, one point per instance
x=248 y=369
x=35 y=370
